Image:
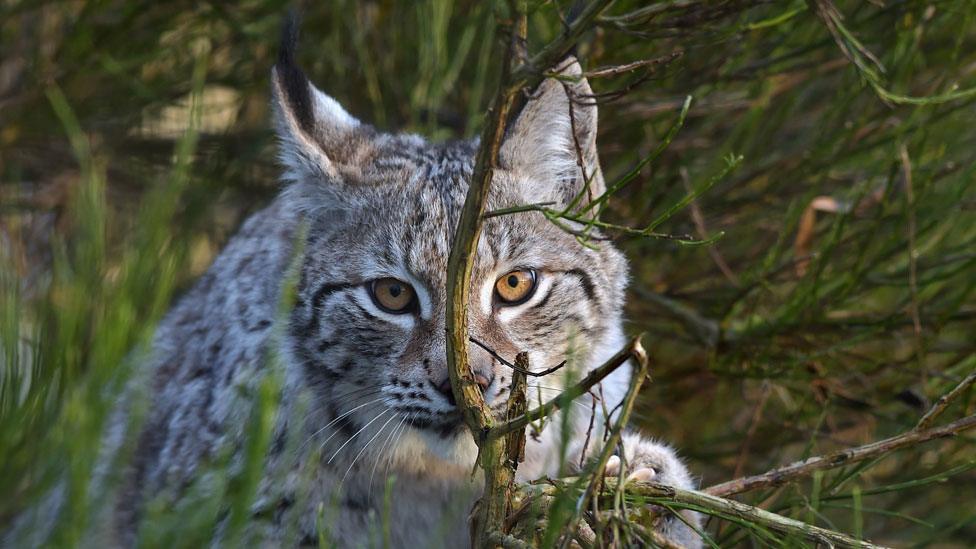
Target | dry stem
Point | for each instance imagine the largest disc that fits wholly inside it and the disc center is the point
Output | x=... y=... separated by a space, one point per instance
x=461 y=260
x=747 y=513
x=477 y=415
x=804 y=468
x=944 y=402
x=702 y=501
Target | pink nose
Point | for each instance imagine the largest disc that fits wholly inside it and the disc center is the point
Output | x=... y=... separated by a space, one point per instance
x=445 y=387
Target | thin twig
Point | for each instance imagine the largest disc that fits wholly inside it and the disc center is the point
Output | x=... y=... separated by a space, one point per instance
x=699 y=219
x=753 y=427
x=755 y=515
x=538 y=206
x=531 y=71
x=944 y=402
x=515 y=367
x=627 y=67
x=906 y=165
x=555 y=217
x=589 y=428
x=707 y=503
x=800 y=469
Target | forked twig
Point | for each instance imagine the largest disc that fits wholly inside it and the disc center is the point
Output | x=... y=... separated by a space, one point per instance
x=693 y=499
x=518 y=74
x=460 y=262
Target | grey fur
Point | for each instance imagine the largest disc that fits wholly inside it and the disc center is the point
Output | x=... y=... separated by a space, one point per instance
x=359 y=392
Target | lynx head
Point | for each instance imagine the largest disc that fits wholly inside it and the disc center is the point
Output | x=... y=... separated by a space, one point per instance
x=368 y=328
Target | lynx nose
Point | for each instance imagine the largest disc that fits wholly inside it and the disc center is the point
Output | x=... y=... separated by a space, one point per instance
x=445 y=387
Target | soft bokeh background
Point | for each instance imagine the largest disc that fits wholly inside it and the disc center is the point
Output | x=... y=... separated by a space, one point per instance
x=838 y=304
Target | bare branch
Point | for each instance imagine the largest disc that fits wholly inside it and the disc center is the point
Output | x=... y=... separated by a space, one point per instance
x=555 y=51
x=707 y=503
x=496 y=451
x=807 y=467
x=517 y=405
x=500 y=460
x=944 y=402
x=727 y=507
x=468 y=395
x=461 y=260
x=627 y=67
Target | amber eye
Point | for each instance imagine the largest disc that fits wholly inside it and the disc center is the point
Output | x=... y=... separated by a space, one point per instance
x=515 y=287
x=392 y=295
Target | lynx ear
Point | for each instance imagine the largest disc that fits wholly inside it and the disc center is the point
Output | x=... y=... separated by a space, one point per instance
x=541 y=144
x=318 y=137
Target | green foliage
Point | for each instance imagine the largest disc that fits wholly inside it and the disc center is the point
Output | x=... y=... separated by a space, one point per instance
x=837 y=303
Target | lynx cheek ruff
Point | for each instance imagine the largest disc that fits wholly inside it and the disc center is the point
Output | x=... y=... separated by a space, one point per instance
x=366 y=395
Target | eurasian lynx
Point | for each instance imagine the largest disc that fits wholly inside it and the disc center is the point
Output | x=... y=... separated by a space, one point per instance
x=364 y=227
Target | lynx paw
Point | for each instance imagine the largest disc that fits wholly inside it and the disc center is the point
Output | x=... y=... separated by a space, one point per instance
x=644 y=474
x=649 y=461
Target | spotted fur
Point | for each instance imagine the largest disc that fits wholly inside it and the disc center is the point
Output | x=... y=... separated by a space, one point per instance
x=360 y=398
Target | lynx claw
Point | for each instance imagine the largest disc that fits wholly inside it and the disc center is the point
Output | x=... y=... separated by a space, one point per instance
x=644 y=474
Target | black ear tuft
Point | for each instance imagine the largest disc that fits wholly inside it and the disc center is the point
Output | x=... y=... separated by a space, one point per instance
x=293 y=81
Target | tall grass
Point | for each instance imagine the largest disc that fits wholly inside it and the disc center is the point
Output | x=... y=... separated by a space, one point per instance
x=836 y=302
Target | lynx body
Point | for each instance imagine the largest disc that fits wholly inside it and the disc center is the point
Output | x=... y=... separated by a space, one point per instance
x=364 y=224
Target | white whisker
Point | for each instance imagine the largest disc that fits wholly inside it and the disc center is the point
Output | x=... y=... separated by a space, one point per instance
x=330 y=437
x=331 y=423
x=389 y=457
x=393 y=433
x=368 y=442
x=363 y=428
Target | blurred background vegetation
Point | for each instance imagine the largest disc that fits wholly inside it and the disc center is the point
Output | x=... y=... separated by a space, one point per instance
x=837 y=304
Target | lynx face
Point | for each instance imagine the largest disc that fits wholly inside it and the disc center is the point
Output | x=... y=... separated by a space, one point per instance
x=368 y=327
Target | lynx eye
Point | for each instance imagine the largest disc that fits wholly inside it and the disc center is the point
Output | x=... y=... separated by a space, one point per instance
x=515 y=287
x=392 y=295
